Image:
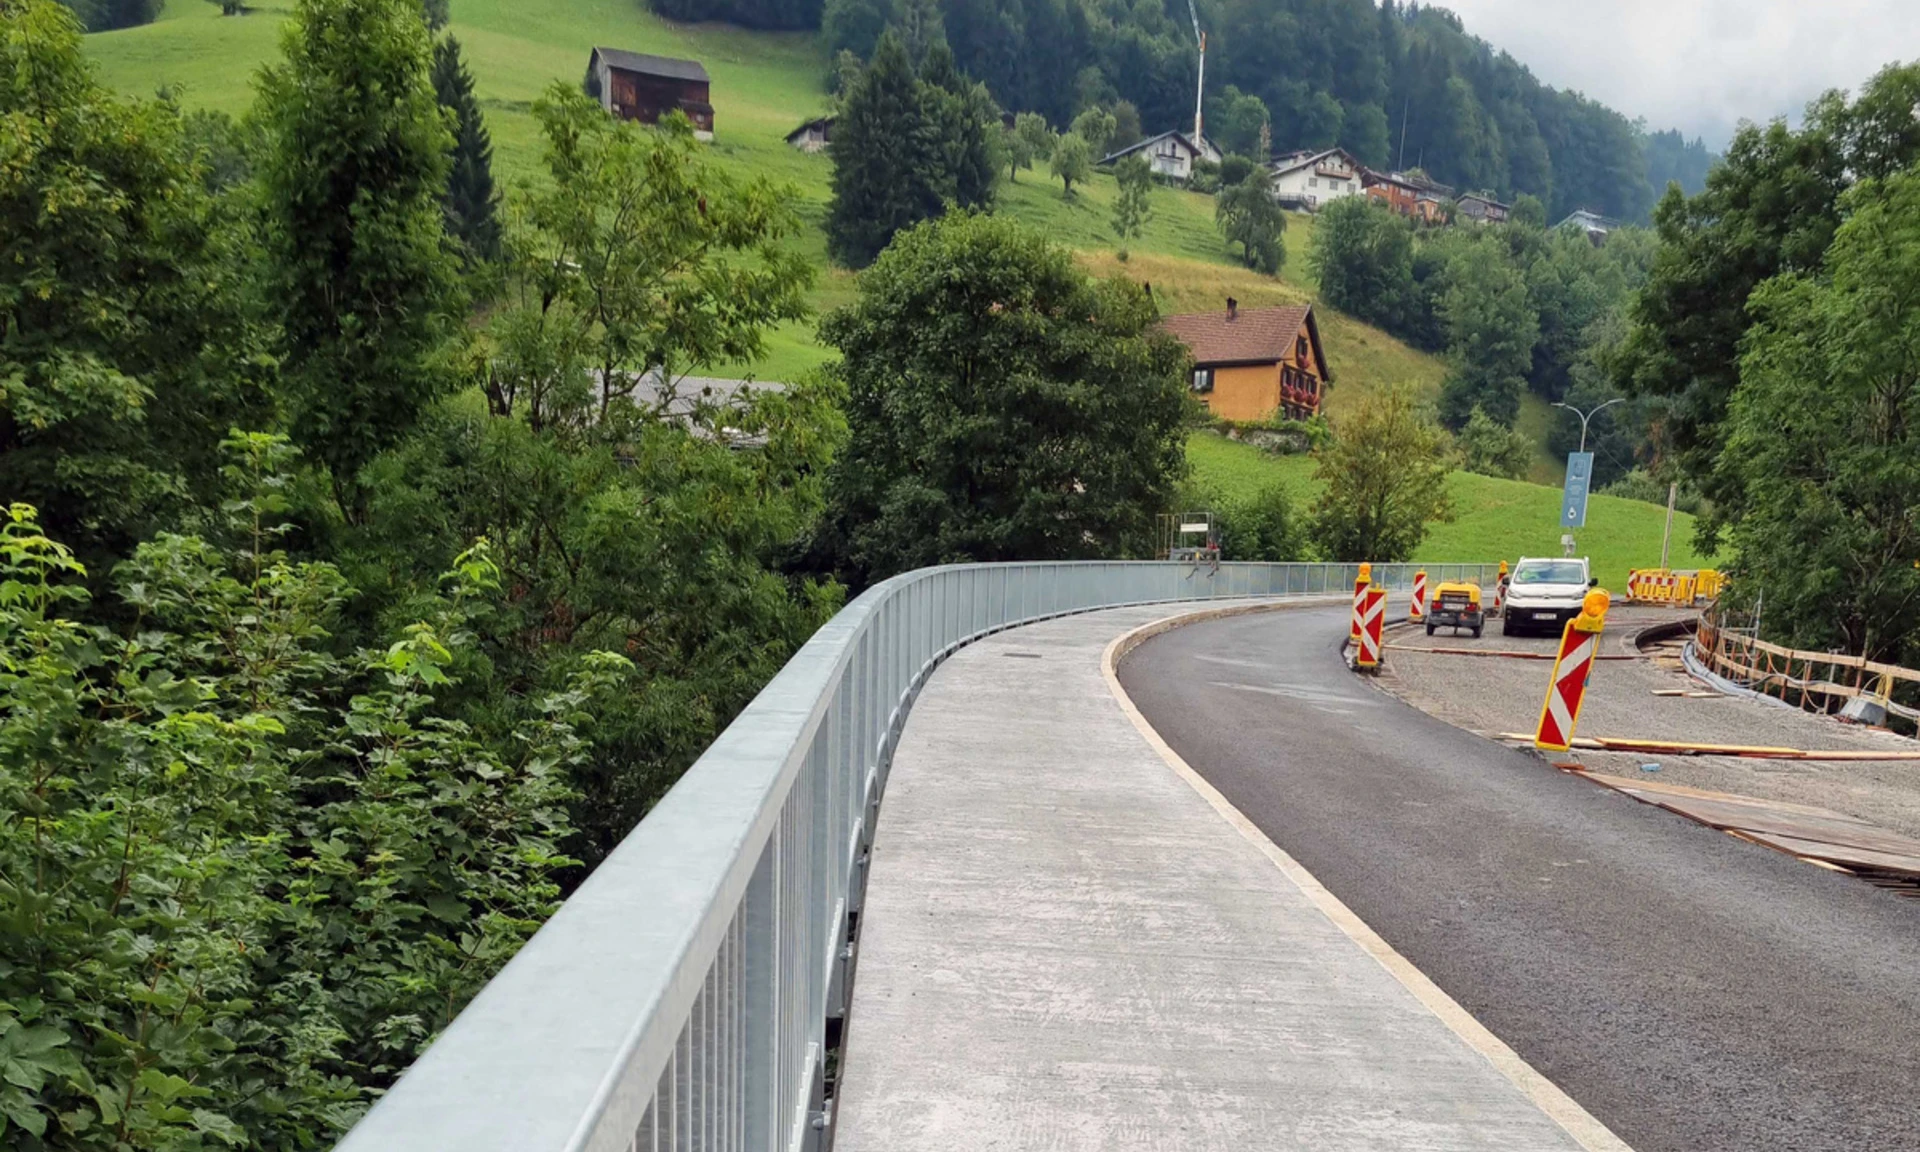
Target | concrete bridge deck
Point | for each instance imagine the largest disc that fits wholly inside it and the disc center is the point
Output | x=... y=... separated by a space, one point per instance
x=1072 y=943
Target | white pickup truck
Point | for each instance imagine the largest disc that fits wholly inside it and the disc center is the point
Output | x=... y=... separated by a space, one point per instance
x=1543 y=594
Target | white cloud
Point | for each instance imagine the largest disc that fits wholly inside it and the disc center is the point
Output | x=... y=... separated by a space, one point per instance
x=1699 y=65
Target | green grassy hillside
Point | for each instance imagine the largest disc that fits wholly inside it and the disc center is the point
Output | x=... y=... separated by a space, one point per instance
x=1494 y=519
x=763 y=85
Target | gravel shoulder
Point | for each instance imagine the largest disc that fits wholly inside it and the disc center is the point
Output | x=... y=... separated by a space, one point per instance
x=1488 y=695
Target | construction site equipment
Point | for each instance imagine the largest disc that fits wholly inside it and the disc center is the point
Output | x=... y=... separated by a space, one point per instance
x=1417 y=607
x=1373 y=621
x=1456 y=605
x=1816 y=681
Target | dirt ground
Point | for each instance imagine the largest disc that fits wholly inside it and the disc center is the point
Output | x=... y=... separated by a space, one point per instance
x=1490 y=695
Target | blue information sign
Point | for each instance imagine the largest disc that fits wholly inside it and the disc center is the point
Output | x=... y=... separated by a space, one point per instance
x=1573 y=506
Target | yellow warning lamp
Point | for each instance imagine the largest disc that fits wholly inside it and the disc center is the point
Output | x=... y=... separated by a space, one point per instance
x=1593 y=611
x=1366 y=573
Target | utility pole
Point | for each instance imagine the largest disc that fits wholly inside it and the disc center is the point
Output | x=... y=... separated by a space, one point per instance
x=1587 y=416
x=1406 y=106
x=1673 y=495
x=1200 y=86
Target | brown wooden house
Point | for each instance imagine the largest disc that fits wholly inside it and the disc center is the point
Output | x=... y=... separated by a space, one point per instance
x=635 y=86
x=1255 y=364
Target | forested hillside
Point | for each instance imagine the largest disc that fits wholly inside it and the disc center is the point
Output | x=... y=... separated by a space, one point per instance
x=1396 y=84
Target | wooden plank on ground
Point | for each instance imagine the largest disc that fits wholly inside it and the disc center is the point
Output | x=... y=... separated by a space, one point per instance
x=1661 y=787
x=1842 y=854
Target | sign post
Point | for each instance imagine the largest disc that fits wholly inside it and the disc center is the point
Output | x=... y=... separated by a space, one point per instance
x=1573 y=501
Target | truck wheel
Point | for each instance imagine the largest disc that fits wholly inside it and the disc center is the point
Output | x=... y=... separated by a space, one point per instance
x=1506 y=625
x=1429 y=627
x=1477 y=631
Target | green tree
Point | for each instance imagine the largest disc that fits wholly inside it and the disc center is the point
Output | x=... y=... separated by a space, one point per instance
x=966 y=124
x=854 y=26
x=1072 y=161
x=352 y=184
x=920 y=25
x=1016 y=151
x=1491 y=330
x=1236 y=120
x=1265 y=526
x=887 y=169
x=1528 y=211
x=1126 y=126
x=1362 y=255
x=1492 y=449
x=472 y=208
x=634 y=512
x=1095 y=126
x=436 y=13
x=1823 y=437
x=248 y=877
x=1383 y=481
x=1770 y=208
x=126 y=348
x=1000 y=406
x=1247 y=214
x=1032 y=128
x=1133 y=207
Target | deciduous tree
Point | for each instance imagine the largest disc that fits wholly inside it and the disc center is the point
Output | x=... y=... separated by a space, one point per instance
x=1491 y=330
x=1823 y=437
x=1072 y=161
x=1247 y=214
x=1133 y=207
x=1000 y=406
x=1384 y=481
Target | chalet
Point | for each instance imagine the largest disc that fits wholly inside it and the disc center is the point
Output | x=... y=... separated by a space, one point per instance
x=634 y=86
x=1307 y=180
x=1409 y=195
x=1255 y=364
x=1171 y=155
x=1482 y=209
x=1593 y=224
x=813 y=136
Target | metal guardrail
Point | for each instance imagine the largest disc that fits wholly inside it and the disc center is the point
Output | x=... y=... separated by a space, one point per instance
x=680 y=999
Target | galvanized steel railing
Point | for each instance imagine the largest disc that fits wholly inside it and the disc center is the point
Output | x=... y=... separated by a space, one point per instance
x=681 y=999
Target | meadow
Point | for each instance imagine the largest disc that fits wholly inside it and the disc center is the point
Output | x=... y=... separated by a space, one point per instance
x=1494 y=519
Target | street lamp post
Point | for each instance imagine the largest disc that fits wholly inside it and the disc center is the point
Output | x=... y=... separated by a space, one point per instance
x=1587 y=416
x=1566 y=538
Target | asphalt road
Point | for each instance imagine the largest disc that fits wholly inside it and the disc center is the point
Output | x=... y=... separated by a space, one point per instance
x=1693 y=991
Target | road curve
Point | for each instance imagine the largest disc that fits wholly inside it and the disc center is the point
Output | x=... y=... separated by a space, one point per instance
x=1694 y=992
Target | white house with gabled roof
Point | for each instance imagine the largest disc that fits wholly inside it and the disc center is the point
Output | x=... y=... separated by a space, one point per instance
x=1308 y=180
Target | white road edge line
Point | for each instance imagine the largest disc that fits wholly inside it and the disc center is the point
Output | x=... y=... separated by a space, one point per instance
x=1561 y=1108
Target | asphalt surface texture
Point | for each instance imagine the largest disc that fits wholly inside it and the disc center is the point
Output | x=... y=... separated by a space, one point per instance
x=1693 y=991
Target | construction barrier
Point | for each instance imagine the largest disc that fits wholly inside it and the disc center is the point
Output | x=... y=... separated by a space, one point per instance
x=1572 y=669
x=1816 y=681
x=1373 y=622
x=1500 y=591
x=1417 y=610
x=1666 y=586
x=1360 y=583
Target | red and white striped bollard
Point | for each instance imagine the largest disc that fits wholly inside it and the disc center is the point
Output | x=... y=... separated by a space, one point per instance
x=1572 y=669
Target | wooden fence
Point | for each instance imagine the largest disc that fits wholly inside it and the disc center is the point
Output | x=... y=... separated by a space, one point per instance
x=1816 y=681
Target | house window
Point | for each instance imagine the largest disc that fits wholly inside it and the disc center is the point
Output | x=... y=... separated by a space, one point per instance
x=1203 y=379
x=1300 y=351
x=1313 y=181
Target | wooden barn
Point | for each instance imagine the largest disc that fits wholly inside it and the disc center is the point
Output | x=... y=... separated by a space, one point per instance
x=635 y=86
x=1257 y=363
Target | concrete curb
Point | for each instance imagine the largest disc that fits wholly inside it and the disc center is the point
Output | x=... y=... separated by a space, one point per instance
x=1562 y=1109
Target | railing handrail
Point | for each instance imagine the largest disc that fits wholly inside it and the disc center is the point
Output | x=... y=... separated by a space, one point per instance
x=679 y=997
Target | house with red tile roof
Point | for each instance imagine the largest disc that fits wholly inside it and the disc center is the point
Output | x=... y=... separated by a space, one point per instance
x=1255 y=363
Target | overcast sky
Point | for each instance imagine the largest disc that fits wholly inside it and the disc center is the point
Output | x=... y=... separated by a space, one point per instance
x=1699 y=65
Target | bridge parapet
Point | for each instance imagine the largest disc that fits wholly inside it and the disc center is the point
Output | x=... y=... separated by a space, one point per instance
x=681 y=998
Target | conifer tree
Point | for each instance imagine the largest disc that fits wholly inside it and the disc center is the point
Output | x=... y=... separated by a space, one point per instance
x=361 y=275
x=966 y=123
x=887 y=171
x=472 y=207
